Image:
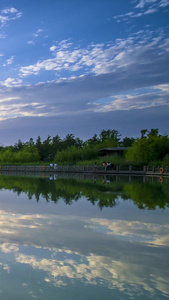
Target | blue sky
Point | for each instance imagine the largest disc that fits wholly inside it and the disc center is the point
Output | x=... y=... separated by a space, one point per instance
x=78 y=67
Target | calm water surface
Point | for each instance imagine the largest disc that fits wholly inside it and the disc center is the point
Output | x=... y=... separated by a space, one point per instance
x=84 y=238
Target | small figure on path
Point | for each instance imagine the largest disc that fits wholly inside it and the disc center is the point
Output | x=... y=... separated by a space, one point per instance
x=108 y=166
x=104 y=165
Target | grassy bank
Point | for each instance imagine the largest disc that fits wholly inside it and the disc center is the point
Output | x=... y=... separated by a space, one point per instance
x=115 y=159
x=120 y=161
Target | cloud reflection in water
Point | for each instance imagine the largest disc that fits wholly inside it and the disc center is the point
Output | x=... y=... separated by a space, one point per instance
x=65 y=249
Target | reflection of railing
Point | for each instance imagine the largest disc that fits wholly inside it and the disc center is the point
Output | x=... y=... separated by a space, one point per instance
x=137 y=170
x=102 y=189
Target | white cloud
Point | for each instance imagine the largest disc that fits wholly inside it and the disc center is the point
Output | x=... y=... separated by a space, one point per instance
x=150 y=11
x=110 y=75
x=135 y=231
x=115 y=92
x=5 y=267
x=9 y=14
x=117 y=82
x=100 y=58
x=10 y=60
x=136 y=100
x=143 y=3
x=31 y=42
x=11 y=10
x=8 y=248
x=53 y=48
x=164 y=3
x=92 y=269
x=11 y=82
x=145 y=6
x=37 y=33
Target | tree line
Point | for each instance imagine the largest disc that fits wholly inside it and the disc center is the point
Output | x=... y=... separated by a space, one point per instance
x=149 y=147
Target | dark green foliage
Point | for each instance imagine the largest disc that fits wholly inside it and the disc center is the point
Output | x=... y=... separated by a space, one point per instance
x=111 y=135
x=67 y=150
x=26 y=155
x=147 y=149
x=18 y=146
x=143 y=132
x=71 y=150
x=127 y=142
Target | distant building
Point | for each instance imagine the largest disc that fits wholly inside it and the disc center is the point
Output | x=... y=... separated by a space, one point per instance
x=111 y=151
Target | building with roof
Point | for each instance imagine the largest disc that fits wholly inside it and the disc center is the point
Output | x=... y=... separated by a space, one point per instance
x=112 y=151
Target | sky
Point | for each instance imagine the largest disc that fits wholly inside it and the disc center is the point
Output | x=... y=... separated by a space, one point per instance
x=78 y=67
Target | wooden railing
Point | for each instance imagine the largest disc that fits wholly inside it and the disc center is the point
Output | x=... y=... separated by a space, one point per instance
x=140 y=170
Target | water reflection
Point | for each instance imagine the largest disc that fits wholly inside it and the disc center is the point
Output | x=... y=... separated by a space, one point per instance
x=146 y=193
x=46 y=250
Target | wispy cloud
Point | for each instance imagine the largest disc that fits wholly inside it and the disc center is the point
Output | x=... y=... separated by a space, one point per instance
x=143 y=7
x=11 y=82
x=164 y=3
x=31 y=42
x=139 y=99
x=155 y=3
x=94 y=263
x=2 y=36
x=9 y=14
x=35 y=36
x=10 y=60
x=102 y=58
x=150 y=11
x=37 y=33
x=66 y=264
x=129 y=74
x=143 y=3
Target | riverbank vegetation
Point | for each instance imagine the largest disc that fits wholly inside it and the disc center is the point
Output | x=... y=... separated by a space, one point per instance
x=151 y=148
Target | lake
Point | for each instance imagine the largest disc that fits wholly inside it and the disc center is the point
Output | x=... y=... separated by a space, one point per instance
x=79 y=237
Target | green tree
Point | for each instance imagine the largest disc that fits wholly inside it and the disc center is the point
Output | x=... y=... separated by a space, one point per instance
x=30 y=143
x=55 y=146
x=46 y=149
x=127 y=142
x=56 y=140
x=93 y=141
x=38 y=146
x=143 y=133
x=110 y=134
x=148 y=149
x=7 y=155
x=79 y=143
x=153 y=132
x=27 y=155
x=69 y=141
x=18 y=146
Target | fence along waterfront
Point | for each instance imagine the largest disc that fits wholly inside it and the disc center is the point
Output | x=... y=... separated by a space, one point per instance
x=145 y=170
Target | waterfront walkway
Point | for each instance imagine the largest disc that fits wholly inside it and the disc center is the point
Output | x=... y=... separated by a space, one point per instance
x=128 y=170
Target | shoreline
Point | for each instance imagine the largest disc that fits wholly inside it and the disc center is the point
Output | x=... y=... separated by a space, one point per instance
x=130 y=170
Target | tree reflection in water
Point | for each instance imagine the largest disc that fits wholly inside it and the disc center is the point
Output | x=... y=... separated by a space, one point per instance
x=146 y=193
